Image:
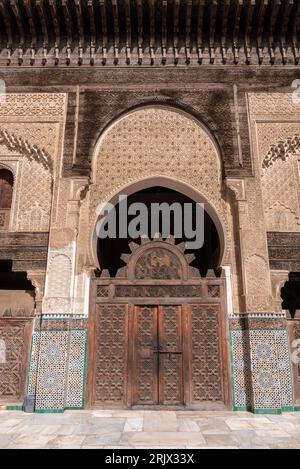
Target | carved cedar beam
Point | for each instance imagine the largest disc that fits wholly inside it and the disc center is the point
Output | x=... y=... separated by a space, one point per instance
x=164 y=31
x=116 y=30
x=188 y=19
x=236 y=29
x=42 y=17
x=294 y=27
x=7 y=24
x=248 y=29
x=152 y=30
x=175 y=29
x=79 y=15
x=32 y=28
x=140 y=30
x=284 y=19
x=213 y=4
x=259 y=29
x=272 y=21
x=68 y=23
x=104 y=31
x=201 y=4
x=128 y=30
x=16 y=11
x=92 y=31
x=55 y=20
x=224 y=24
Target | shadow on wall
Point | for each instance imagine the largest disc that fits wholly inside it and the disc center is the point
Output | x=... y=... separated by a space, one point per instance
x=290 y=294
x=16 y=292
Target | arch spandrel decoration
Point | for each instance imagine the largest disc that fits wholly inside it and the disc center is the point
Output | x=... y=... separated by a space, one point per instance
x=155 y=143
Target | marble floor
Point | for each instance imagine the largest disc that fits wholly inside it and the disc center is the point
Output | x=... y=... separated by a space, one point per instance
x=148 y=429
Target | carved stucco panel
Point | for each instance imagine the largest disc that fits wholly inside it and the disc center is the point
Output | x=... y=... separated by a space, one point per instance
x=42 y=134
x=157 y=142
x=36 y=119
x=258 y=287
x=280 y=187
x=273 y=105
x=280 y=179
x=34 y=198
x=270 y=133
x=59 y=276
x=49 y=106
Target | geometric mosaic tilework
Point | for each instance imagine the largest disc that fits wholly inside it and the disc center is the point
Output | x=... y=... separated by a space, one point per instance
x=52 y=367
x=271 y=369
x=284 y=368
x=265 y=376
x=262 y=374
x=57 y=364
x=241 y=373
x=33 y=365
x=76 y=369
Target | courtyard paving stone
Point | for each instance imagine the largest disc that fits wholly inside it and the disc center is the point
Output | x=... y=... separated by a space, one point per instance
x=116 y=428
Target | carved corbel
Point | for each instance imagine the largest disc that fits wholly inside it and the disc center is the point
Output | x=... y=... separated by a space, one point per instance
x=37 y=279
x=237 y=188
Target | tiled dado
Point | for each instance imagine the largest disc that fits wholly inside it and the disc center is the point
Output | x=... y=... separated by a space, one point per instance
x=260 y=359
x=58 y=362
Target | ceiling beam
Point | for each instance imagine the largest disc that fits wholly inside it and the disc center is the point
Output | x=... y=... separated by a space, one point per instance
x=80 y=28
x=213 y=5
x=294 y=27
x=140 y=30
x=8 y=29
x=128 y=30
x=284 y=19
x=260 y=17
x=248 y=29
x=175 y=29
x=54 y=16
x=152 y=30
x=91 y=11
x=164 y=30
x=236 y=29
x=275 y=6
x=224 y=23
x=68 y=23
x=42 y=17
x=188 y=20
x=116 y=30
x=16 y=11
x=104 y=31
x=199 y=39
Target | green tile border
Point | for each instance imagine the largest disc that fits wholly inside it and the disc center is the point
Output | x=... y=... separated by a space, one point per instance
x=14 y=407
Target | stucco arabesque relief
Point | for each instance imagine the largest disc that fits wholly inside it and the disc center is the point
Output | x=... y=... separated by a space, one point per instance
x=30 y=127
x=156 y=142
x=31 y=130
x=274 y=122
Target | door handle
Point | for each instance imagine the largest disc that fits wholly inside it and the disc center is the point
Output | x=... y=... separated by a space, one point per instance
x=158 y=350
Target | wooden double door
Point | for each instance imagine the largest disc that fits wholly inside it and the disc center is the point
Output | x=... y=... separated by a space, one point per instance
x=158 y=355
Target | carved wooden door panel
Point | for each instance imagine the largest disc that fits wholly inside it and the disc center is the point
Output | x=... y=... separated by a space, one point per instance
x=146 y=360
x=206 y=372
x=158 y=355
x=110 y=361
